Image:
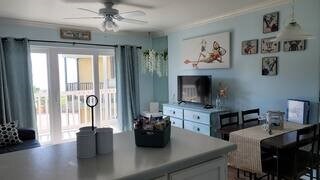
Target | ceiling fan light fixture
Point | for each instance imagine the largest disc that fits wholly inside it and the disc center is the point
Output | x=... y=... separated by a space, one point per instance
x=115 y=27
x=109 y=25
x=110 y=15
x=103 y=26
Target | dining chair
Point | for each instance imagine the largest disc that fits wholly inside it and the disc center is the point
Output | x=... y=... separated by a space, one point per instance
x=316 y=155
x=250 y=117
x=295 y=162
x=228 y=122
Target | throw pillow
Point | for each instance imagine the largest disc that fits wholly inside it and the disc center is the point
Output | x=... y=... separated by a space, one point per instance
x=9 y=134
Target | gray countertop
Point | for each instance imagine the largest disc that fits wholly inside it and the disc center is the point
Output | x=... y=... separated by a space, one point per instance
x=59 y=162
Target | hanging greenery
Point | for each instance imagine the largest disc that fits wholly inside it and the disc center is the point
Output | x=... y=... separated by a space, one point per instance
x=156 y=62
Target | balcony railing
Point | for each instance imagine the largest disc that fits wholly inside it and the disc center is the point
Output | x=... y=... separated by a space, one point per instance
x=74 y=112
x=82 y=86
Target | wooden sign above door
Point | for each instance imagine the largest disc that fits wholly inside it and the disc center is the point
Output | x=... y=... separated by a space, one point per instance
x=75 y=34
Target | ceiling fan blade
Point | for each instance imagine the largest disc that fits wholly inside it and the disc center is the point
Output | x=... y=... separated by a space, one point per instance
x=85 y=18
x=133 y=21
x=117 y=2
x=132 y=14
x=88 y=10
x=83 y=1
x=122 y=2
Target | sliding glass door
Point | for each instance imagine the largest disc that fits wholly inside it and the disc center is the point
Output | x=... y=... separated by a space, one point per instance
x=72 y=75
x=39 y=59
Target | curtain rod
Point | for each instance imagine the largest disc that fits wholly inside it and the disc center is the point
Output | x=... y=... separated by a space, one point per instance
x=74 y=43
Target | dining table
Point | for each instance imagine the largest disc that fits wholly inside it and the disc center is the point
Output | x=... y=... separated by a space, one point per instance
x=249 y=141
x=228 y=129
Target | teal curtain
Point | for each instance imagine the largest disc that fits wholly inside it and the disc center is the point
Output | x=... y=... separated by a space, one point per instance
x=127 y=67
x=16 y=93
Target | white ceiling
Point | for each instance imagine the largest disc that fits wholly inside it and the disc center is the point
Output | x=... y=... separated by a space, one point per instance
x=164 y=14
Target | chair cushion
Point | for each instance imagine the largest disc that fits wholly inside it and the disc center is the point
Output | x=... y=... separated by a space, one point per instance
x=28 y=144
x=9 y=134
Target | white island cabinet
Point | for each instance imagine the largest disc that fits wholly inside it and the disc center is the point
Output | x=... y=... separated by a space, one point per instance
x=187 y=156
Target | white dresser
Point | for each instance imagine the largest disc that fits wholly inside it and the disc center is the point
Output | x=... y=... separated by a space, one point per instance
x=194 y=118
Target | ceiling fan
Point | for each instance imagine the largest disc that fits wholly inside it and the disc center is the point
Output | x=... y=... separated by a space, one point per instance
x=109 y=15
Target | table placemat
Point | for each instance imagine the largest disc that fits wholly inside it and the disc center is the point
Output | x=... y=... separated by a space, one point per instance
x=248 y=154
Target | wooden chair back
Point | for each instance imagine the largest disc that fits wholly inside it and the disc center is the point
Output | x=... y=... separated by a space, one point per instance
x=246 y=118
x=306 y=136
x=317 y=151
x=229 y=119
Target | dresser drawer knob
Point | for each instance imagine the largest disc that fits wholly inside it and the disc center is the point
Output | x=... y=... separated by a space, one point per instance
x=198 y=117
x=198 y=129
x=173 y=112
x=173 y=122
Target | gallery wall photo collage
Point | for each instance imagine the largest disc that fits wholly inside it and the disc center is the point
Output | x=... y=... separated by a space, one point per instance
x=269 y=65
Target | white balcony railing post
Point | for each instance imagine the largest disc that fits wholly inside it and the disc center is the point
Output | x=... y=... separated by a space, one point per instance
x=74 y=112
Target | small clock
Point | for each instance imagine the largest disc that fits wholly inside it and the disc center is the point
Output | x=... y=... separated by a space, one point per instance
x=92 y=101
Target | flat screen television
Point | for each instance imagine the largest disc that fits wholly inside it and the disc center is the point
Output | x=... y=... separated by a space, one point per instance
x=195 y=89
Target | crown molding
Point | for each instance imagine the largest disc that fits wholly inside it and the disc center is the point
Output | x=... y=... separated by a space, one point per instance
x=55 y=26
x=238 y=12
x=242 y=11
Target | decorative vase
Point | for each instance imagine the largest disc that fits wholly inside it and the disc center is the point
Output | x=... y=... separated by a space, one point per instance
x=218 y=102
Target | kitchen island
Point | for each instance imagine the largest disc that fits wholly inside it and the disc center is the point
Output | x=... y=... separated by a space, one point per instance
x=187 y=155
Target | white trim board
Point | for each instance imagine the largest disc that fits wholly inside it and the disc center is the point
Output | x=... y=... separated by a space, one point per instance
x=58 y=26
x=254 y=8
x=238 y=12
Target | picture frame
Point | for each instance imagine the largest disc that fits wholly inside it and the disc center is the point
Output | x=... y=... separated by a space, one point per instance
x=249 y=47
x=296 y=45
x=75 y=34
x=206 y=52
x=269 y=66
x=271 y=22
x=269 y=46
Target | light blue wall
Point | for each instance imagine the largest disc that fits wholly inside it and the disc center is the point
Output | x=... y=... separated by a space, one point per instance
x=298 y=72
x=160 y=84
x=8 y=29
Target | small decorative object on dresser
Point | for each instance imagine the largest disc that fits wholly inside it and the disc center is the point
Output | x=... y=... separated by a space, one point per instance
x=75 y=34
x=221 y=95
x=298 y=45
x=269 y=46
x=249 y=47
x=269 y=66
x=271 y=22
